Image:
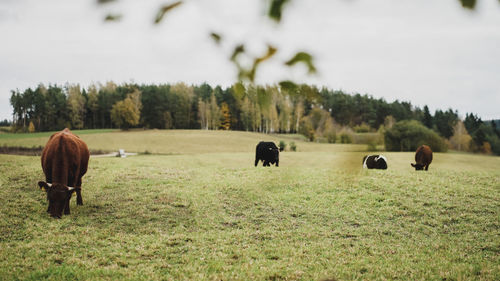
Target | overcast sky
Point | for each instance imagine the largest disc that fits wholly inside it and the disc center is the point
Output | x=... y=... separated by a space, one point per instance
x=423 y=51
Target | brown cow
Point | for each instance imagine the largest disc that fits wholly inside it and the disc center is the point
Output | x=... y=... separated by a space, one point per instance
x=423 y=157
x=64 y=162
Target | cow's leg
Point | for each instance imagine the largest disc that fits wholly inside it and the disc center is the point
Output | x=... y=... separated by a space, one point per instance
x=66 y=208
x=426 y=167
x=266 y=163
x=79 y=200
x=78 y=190
x=277 y=163
x=256 y=161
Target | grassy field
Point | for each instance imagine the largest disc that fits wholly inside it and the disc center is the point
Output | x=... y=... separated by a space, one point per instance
x=200 y=210
x=175 y=141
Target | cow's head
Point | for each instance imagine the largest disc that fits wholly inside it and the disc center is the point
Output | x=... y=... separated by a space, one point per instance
x=275 y=153
x=381 y=164
x=417 y=166
x=58 y=196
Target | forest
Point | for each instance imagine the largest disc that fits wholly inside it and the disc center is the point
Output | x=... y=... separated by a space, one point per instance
x=320 y=114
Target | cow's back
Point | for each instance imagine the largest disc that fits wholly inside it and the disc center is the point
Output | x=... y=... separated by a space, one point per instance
x=423 y=155
x=263 y=147
x=65 y=158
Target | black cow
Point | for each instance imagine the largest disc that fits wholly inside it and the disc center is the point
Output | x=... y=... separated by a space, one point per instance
x=423 y=157
x=375 y=162
x=268 y=152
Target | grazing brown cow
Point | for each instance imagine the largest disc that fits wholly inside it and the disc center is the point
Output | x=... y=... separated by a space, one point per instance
x=423 y=157
x=64 y=162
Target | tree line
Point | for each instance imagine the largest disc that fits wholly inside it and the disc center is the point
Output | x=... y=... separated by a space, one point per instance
x=317 y=113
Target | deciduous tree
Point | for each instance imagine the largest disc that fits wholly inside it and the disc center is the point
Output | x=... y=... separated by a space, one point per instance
x=225 y=123
x=461 y=140
x=127 y=113
x=76 y=106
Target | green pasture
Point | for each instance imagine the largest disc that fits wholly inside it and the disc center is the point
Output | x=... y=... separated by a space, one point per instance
x=40 y=138
x=197 y=209
x=175 y=141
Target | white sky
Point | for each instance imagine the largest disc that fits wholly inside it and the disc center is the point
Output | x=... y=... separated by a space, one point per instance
x=423 y=51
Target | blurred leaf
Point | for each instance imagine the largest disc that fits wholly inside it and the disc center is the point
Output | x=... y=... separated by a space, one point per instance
x=163 y=10
x=305 y=58
x=104 y=1
x=469 y=4
x=243 y=74
x=270 y=52
x=275 y=10
x=238 y=50
x=216 y=37
x=111 y=17
x=249 y=74
x=288 y=85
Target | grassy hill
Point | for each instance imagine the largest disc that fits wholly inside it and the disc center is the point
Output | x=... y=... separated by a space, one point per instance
x=200 y=210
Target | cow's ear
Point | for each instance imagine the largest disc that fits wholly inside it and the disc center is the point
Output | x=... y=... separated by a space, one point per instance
x=413 y=165
x=43 y=185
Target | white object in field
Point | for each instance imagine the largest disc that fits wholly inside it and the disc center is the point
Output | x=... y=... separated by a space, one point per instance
x=121 y=153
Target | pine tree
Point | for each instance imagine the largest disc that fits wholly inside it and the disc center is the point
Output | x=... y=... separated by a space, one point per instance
x=181 y=105
x=472 y=122
x=427 y=118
